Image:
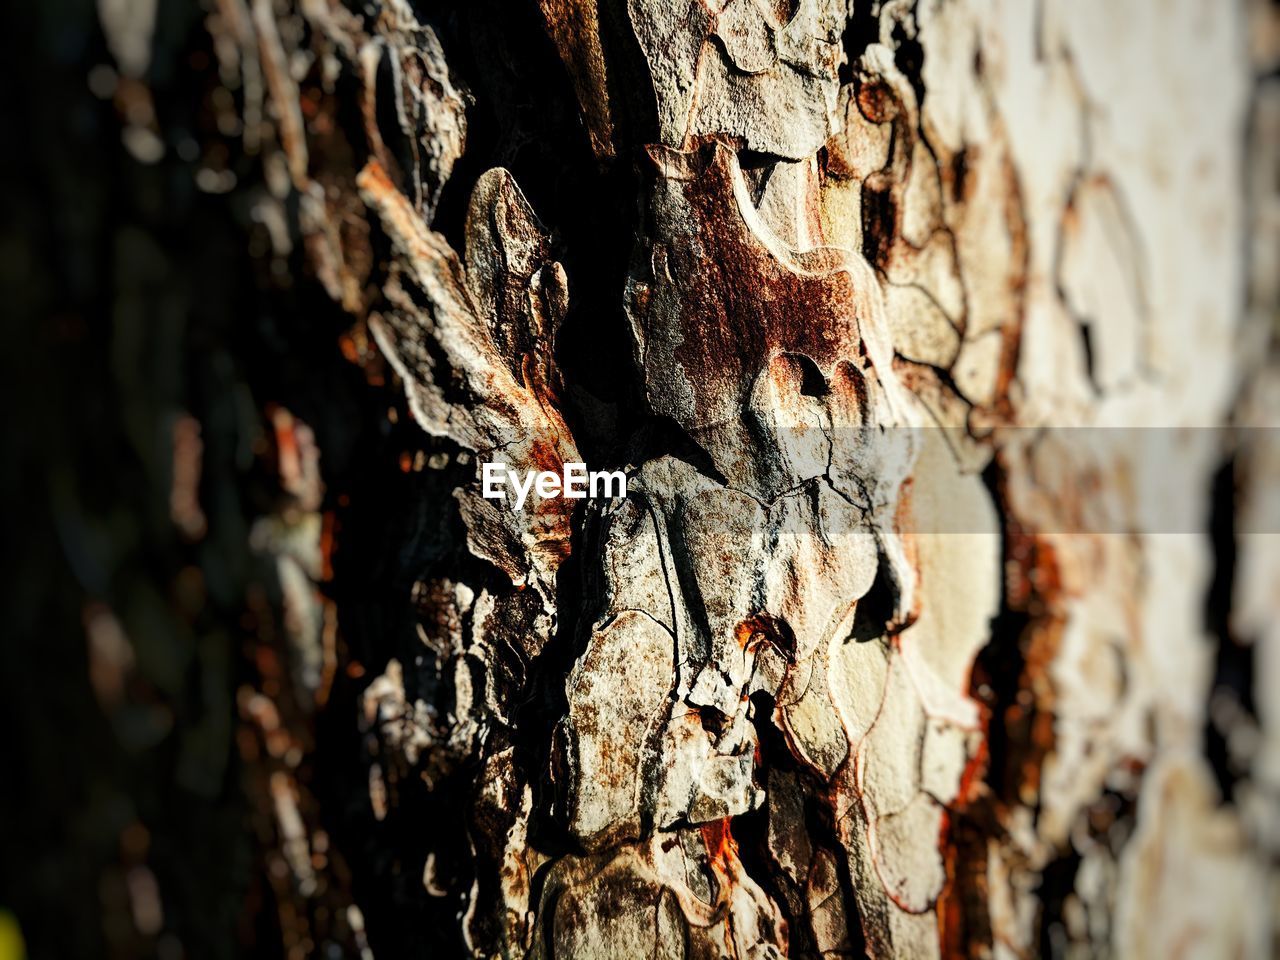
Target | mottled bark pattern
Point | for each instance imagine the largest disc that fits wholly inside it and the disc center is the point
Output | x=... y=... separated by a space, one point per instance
x=828 y=681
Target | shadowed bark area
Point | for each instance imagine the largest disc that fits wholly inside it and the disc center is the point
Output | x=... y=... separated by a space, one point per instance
x=936 y=341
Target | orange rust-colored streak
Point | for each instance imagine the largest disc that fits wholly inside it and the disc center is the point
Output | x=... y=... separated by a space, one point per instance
x=328 y=531
x=1038 y=578
x=549 y=454
x=757 y=630
x=286 y=444
x=972 y=779
x=964 y=903
x=963 y=895
x=950 y=917
x=397 y=213
x=722 y=849
x=545 y=455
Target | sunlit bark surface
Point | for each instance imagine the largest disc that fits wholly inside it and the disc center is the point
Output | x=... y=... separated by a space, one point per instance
x=893 y=648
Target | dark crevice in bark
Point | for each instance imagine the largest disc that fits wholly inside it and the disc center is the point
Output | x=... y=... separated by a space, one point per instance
x=544 y=701
x=1233 y=674
x=876 y=609
x=1057 y=884
x=908 y=56
x=862 y=30
x=525 y=118
x=660 y=436
x=998 y=670
x=751 y=830
x=392 y=534
x=1108 y=823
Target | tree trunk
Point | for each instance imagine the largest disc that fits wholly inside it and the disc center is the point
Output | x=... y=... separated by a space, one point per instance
x=937 y=342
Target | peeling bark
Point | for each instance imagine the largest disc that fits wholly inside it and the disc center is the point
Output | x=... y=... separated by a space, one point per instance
x=888 y=650
x=906 y=662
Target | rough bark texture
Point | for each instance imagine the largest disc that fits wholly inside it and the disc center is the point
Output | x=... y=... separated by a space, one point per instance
x=893 y=648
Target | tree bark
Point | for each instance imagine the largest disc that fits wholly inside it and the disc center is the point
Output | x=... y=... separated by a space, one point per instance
x=937 y=342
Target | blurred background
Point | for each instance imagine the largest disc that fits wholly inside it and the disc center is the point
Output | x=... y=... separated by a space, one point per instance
x=167 y=387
